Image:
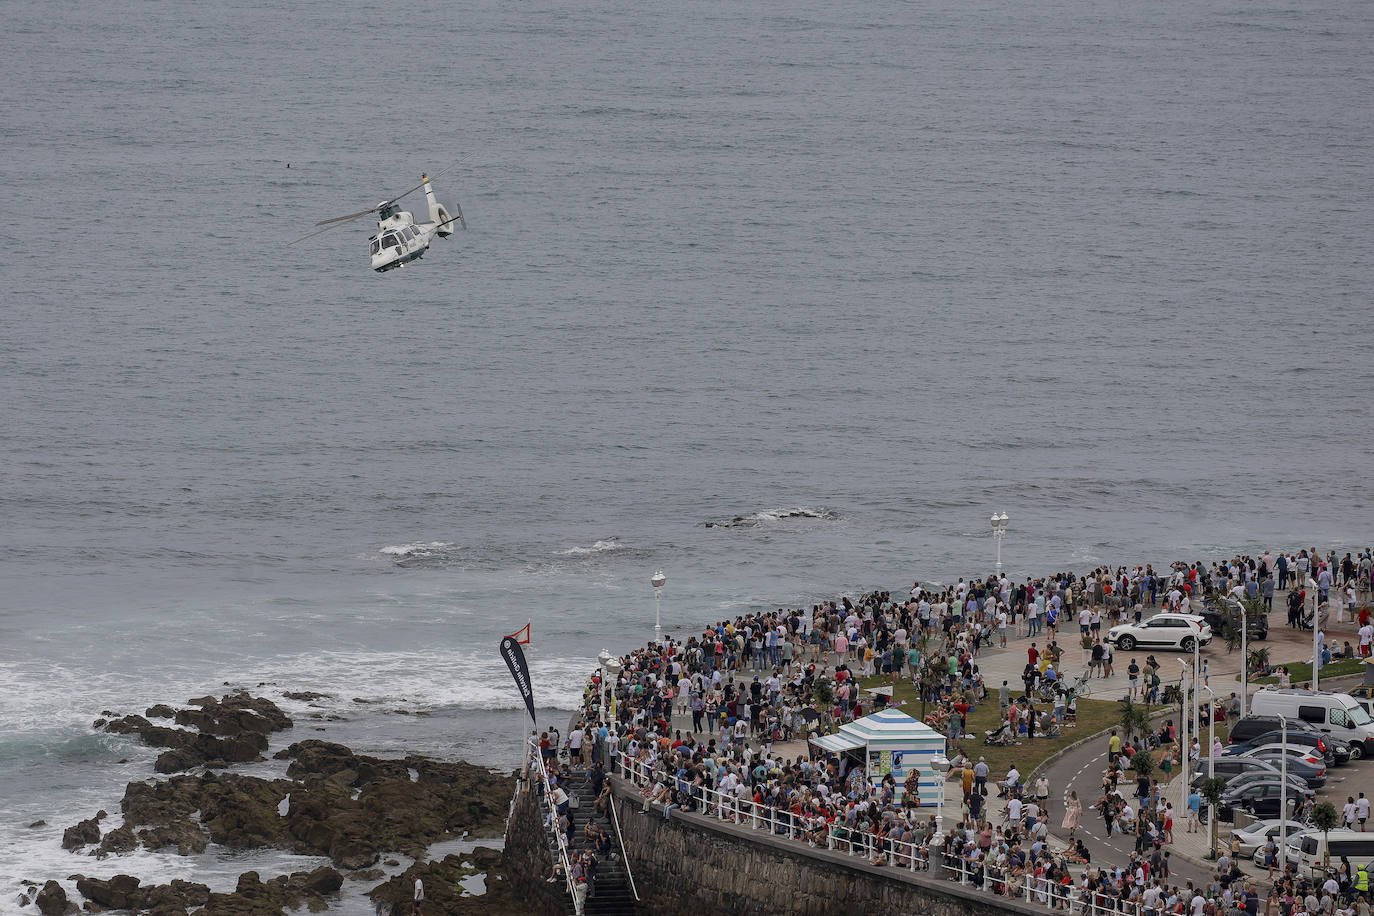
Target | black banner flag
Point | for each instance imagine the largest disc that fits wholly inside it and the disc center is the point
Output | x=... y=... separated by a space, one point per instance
x=520 y=670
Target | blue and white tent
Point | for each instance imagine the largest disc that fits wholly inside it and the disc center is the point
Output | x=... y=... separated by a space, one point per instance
x=890 y=741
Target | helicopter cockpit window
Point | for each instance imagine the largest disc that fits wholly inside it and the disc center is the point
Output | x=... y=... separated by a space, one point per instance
x=389 y=241
x=376 y=246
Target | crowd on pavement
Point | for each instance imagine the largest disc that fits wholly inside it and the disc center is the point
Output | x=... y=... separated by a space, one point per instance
x=762 y=678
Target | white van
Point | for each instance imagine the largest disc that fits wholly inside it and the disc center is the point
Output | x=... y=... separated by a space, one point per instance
x=1337 y=714
x=1354 y=845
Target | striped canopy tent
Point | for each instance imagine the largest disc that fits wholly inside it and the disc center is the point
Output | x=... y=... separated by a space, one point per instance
x=891 y=742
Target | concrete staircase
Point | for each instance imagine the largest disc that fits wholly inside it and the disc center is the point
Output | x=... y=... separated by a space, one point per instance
x=611 y=895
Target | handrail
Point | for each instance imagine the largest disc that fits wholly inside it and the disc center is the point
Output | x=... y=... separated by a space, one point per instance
x=620 y=837
x=558 y=834
x=1077 y=900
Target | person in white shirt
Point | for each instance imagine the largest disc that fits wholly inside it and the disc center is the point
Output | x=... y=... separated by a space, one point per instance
x=419 y=896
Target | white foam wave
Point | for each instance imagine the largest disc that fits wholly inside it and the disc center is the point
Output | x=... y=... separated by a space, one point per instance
x=771 y=516
x=418 y=549
x=605 y=546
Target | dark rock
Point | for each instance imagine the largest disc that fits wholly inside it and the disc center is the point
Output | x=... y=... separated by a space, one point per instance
x=118 y=841
x=118 y=893
x=160 y=711
x=52 y=900
x=306 y=696
x=323 y=880
x=45 y=823
x=82 y=834
x=187 y=836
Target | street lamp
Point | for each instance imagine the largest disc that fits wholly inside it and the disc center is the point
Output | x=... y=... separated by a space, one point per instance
x=1316 y=626
x=1283 y=794
x=1211 y=733
x=1183 y=744
x=1244 y=659
x=658 y=580
x=605 y=659
x=999 y=531
x=939 y=764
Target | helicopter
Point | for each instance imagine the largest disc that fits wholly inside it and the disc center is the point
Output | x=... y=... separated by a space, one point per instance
x=400 y=239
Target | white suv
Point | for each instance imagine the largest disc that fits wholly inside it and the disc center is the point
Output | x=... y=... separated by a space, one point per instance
x=1162 y=631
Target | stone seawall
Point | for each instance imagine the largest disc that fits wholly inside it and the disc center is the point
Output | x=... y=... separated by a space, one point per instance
x=691 y=864
x=527 y=861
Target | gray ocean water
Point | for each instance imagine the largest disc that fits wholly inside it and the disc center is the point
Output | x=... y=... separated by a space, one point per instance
x=1104 y=266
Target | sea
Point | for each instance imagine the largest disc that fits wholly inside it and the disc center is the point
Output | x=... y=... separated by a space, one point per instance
x=783 y=299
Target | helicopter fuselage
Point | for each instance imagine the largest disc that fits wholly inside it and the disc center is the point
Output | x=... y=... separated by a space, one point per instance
x=399 y=240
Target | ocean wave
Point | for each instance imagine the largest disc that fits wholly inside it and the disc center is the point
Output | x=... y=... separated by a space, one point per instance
x=604 y=546
x=770 y=516
x=418 y=550
x=424 y=555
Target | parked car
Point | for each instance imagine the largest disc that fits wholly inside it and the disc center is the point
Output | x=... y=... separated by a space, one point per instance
x=1162 y=631
x=1219 y=617
x=1353 y=846
x=1261 y=799
x=1231 y=766
x=1252 y=838
x=1364 y=695
x=1336 y=753
x=1337 y=714
x=1239 y=782
x=1311 y=768
x=1296 y=831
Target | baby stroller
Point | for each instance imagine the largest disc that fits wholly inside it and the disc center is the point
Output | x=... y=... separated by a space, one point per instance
x=1000 y=737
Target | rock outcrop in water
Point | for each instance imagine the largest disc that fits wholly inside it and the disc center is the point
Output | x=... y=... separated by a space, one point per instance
x=252 y=896
x=213 y=732
x=350 y=807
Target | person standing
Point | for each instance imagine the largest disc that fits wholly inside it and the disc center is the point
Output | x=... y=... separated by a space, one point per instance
x=419 y=898
x=1073 y=813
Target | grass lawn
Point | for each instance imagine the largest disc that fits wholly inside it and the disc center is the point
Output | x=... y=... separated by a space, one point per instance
x=1093 y=717
x=1299 y=672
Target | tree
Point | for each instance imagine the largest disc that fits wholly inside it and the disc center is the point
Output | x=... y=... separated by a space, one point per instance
x=1212 y=789
x=822 y=691
x=1143 y=763
x=1259 y=659
x=1324 y=817
x=1133 y=720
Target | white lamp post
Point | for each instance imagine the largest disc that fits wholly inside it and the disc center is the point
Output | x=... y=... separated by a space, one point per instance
x=605 y=659
x=1283 y=793
x=1244 y=660
x=1183 y=742
x=1211 y=734
x=1316 y=628
x=658 y=580
x=999 y=531
x=939 y=764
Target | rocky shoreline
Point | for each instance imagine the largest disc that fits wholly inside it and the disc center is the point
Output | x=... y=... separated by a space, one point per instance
x=358 y=811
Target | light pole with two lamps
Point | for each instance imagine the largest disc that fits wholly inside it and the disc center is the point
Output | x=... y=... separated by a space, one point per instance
x=939 y=764
x=999 y=531
x=1311 y=585
x=658 y=580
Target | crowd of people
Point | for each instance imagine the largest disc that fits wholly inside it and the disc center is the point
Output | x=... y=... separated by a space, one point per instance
x=766 y=677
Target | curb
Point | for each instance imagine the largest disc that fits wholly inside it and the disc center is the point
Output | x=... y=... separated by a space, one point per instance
x=1058 y=755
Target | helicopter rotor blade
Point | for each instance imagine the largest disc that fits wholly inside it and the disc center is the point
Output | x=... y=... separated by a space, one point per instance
x=351 y=216
x=321 y=231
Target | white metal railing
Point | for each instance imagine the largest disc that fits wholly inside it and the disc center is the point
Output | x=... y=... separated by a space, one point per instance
x=620 y=838
x=1076 y=900
x=564 y=859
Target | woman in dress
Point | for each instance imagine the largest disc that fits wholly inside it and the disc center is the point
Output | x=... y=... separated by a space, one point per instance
x=1073 y=812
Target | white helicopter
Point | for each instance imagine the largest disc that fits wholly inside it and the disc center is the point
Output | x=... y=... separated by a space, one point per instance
x=400 y=239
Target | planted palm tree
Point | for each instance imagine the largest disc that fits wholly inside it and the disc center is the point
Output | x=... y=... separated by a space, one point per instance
x=1143 y=763
x=1133 y=720
x=1212 y=789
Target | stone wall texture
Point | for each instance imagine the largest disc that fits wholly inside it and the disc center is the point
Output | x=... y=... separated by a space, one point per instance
x=690 y=865
x=526 y=859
